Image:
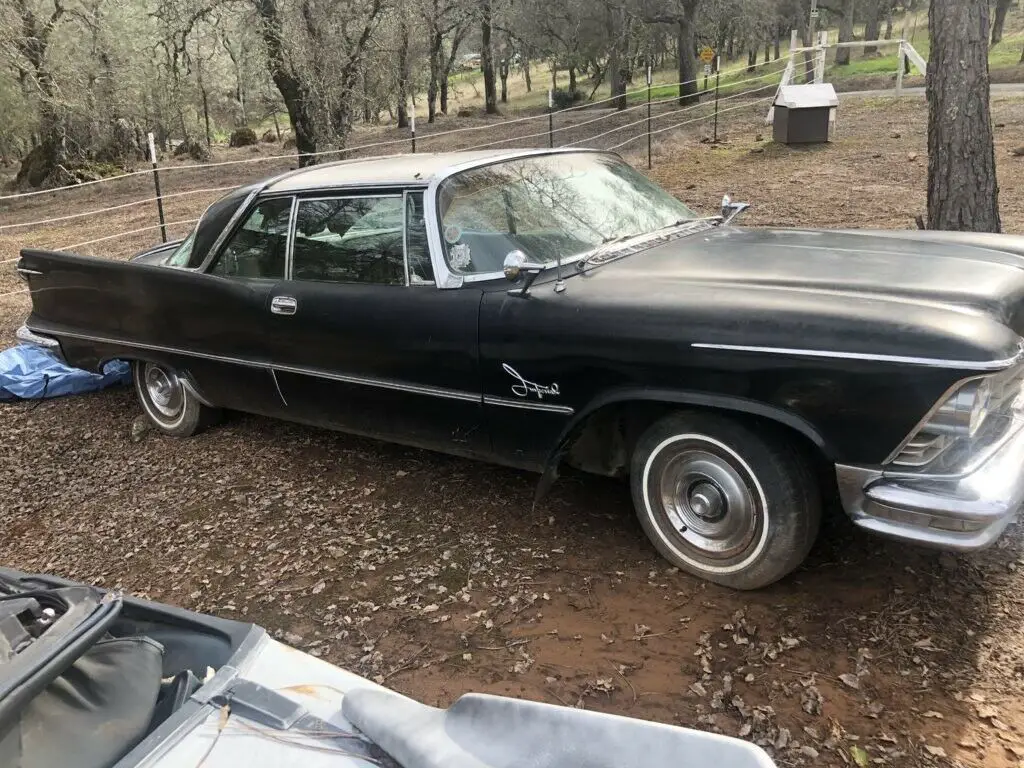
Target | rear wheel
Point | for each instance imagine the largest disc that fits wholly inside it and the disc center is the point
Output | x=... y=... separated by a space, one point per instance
x=733 y=506
x=170 y=405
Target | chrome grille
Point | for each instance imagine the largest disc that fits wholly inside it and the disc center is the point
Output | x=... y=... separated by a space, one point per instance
x=922 y=450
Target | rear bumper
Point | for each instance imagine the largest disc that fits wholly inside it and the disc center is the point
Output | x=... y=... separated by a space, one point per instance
x=962 y=513
x=28 y=336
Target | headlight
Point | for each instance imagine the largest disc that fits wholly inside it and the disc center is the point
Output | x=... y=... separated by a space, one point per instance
x=974 y=415
x=964 y=411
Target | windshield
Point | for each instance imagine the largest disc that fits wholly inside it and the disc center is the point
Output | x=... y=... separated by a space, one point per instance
x=182 y=253
x=546 y=206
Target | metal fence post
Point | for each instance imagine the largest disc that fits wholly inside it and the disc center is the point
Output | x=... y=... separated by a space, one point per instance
x=718 y=77
x=649 y=166
x=412 y=125
x=156 y=183
x=551 y=118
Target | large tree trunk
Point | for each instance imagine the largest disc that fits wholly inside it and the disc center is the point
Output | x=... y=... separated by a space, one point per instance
x=962 y=189
x=572 y=79
x=503 y=76
x=751 y=59
x=618 y=59
x=872 y=11
x=778 y=43
x=449 y=62
x=845 y=32
x=685 y=42
x=403 y=76
x=434 y=60
x=293 y=90
x=999 y=20
x=526 y=73
x=487 y=59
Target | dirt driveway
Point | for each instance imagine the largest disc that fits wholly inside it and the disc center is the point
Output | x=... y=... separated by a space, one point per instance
x=438 y=576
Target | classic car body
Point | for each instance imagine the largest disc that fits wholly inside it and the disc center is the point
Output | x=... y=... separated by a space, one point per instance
x=718 y=367
x=94 y=679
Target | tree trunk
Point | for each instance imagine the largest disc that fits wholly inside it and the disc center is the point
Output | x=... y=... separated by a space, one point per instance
x=292 y=88
x=999 y=20
x=686 y=42
x=572 y=79
x=554 y=76
x=778 y=43
x=962 y=190
x=206 y=114
x=751 y=59
x=487 y=59
x=403 y=76
x=845 y=32
x=449 y=62
x=503 y=76
x=871 y=24
x=434 y=60
x=888 y=21
x=767 y=51
x=526 y=74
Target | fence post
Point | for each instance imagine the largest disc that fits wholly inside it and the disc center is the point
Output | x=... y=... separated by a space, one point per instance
x=649 y=166
x=551 y=118
x=156 y=183
x=412 y=125
x=718 y=76
x=819 y=64
x=900 y=66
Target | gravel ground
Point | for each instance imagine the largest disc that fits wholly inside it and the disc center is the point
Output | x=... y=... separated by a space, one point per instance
x=437 y=575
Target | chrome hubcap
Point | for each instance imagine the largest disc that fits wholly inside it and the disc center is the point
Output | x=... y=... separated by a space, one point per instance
x=164 y=390
x=706 y=498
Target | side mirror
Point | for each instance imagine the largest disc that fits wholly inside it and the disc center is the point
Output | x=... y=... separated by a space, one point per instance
x=515 y=265
x=731 y=210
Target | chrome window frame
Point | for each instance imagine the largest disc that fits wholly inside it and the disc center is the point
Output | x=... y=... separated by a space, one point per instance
x=343 y=194
x=405 y=237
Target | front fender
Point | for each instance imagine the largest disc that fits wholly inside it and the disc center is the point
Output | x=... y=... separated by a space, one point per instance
x=725 y=403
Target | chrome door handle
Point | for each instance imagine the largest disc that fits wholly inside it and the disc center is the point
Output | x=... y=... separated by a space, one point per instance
x=283 y=305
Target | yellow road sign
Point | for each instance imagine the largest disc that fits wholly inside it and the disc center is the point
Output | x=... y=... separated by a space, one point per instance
x=707 y=55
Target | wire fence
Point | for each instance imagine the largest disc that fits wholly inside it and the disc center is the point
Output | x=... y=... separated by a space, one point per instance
x=642 y=118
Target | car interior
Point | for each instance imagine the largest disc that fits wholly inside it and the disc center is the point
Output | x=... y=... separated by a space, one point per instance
x=75 y=660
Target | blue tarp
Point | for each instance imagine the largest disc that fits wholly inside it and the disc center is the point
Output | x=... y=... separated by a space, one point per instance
x=31 y=372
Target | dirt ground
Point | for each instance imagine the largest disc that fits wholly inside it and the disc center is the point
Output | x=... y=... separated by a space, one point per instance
x=437 y=575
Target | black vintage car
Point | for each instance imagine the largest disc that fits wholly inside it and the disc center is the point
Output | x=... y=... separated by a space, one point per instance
x=540 y=308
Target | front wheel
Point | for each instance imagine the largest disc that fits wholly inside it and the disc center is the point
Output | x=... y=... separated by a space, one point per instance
x=171 y=406
x=733 y=506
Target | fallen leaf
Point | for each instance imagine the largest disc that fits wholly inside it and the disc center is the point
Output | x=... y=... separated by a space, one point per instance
x=860 y=756
x=851 y=680
x=934 y=714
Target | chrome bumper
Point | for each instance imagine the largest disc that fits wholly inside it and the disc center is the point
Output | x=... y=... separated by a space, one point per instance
x=962 y=513
x=27 y=335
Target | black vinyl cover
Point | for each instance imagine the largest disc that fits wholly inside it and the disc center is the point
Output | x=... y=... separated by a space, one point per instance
x=91 y=715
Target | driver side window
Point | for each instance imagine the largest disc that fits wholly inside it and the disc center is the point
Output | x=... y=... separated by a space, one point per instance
x=257 y=248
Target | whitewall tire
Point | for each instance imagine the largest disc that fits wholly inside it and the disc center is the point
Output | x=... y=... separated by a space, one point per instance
x=169 y=404
x=723 y=502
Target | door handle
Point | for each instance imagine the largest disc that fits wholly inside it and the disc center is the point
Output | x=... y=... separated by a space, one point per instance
x=283 y=305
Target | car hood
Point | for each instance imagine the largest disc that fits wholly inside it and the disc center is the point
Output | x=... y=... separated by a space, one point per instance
x=927 y=294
